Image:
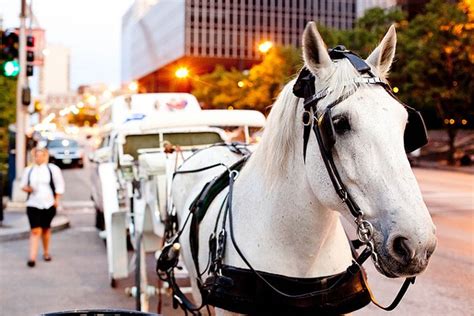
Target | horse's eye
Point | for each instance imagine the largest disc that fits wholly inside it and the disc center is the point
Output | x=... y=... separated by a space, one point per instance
x=341 y=124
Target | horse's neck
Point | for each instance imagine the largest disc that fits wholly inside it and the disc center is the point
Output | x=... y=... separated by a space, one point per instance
x=284 y=229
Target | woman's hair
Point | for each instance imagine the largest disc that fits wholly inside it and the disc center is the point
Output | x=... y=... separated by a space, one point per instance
x=39 y=149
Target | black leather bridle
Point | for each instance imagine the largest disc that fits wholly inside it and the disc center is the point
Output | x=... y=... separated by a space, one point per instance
x=415 y=137
x=325 y=134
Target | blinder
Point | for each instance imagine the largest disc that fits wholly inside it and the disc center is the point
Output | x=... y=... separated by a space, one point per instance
x=327 y=131
x=415 y=136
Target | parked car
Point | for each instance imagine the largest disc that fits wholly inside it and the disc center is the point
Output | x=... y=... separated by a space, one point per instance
x=65 y=152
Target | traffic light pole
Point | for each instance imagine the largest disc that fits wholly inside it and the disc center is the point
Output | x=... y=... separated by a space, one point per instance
x=20 y=140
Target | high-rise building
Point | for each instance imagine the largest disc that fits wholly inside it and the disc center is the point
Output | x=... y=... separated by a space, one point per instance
x=364 y=5
x=54 y=74
x=158 y=36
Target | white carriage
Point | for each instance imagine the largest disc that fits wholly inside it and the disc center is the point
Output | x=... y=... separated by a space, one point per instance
x=136 y=187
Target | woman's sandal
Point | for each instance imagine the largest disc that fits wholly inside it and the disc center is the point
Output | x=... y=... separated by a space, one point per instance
x=30 y=263
x=46 y=257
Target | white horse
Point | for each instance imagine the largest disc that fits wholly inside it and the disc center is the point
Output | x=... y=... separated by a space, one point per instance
x=286 y=213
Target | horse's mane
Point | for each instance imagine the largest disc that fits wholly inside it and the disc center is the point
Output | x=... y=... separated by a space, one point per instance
x=276 y=150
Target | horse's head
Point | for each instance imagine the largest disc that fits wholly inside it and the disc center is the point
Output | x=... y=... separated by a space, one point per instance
x=370 y=156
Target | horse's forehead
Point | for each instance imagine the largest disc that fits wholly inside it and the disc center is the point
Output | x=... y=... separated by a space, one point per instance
x=373 y=105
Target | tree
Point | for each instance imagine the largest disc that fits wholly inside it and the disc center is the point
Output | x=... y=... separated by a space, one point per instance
x=367 y=32
x=265 y=80
x=253 y=89
x=7 y=115
x=220 y=88
x=436 y=63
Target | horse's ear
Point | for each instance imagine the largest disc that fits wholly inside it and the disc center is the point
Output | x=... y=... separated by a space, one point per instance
x=315 y=53
x=381 y=58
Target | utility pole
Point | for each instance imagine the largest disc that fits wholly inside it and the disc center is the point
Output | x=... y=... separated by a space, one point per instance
x=20 y=140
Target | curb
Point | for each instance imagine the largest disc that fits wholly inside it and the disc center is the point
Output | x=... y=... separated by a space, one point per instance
x=64 y=223
x=12 y=206
x=465 y=170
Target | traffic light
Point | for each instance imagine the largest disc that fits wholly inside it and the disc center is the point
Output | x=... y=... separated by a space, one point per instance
x=2 y=46
x=10 y=68
x=9 y=54
x=10 y=45
x=30 y=55
x=9 y=51
x=26 y=96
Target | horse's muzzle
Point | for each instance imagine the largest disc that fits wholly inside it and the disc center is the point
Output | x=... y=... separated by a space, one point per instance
x=402 y=257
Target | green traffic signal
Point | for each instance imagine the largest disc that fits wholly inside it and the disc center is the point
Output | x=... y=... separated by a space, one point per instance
x=11 y=68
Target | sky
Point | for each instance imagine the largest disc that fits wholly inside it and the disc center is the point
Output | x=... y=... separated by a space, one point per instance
x=89 y=28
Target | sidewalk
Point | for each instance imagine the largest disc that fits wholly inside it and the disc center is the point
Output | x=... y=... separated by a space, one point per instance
x=15 y=223
x=425 y=164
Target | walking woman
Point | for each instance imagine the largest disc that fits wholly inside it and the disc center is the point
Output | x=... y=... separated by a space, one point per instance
x=44 y=184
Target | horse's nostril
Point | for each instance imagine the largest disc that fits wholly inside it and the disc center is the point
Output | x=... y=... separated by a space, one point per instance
x=403 y=249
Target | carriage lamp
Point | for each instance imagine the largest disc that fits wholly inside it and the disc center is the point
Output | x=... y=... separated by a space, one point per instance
x=395 y=89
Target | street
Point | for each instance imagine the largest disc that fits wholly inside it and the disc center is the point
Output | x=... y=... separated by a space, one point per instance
x=77 y=276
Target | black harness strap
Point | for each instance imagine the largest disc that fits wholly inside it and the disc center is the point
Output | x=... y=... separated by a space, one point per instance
x=168 y=259
x=202 y=202
x=249 y=291
x=406 y=284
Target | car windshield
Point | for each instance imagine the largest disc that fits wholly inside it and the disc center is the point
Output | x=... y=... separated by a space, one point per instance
x=58 y=143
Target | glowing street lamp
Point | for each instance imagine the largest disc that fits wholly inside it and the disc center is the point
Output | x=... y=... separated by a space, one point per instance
x=265 y=47
x=181 y=73
x=133 y=86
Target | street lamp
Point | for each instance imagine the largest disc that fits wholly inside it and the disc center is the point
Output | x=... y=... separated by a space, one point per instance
x=265 y=47
x=181 y=73
x=133 y=86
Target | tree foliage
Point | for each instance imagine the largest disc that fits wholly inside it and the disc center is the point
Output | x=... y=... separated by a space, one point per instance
x=436 y=64
x=367 y=33
x=253 y=89
x=219 y=89
x=7 y=115
x=433 y=66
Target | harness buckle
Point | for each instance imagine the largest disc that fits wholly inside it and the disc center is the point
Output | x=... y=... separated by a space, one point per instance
x=221 y=242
